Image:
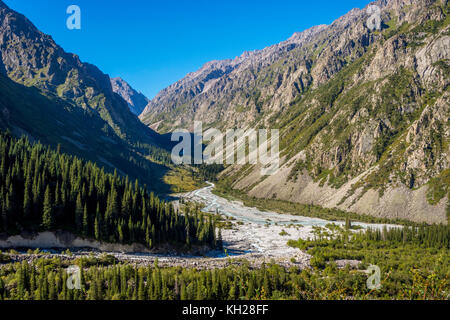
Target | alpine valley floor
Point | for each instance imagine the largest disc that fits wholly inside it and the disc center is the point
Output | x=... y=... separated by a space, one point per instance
x=254 y=236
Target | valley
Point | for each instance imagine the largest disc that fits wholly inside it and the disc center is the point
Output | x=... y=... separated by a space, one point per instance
x=264 y=233
x=359 y=140
x=254 y=237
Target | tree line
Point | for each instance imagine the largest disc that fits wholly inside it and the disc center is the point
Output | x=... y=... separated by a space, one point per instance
x=427 y=236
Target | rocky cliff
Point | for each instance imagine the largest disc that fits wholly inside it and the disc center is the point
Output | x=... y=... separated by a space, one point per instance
x=33 y=59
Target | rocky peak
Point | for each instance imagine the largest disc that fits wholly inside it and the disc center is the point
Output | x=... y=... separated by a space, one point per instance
x=136 y=100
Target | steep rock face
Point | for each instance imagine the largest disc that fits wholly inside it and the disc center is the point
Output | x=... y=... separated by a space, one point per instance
x=363 y=113
x=136 y=100
x=262 y=83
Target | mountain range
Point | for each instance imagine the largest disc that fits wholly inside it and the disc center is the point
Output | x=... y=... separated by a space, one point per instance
x=363 y=113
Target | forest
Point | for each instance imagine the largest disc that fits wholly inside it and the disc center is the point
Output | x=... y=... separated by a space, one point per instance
x=45 y=190
x=413 y=263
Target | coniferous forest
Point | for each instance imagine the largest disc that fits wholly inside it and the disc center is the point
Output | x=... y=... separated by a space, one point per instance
x=414 y=263
x=44 y=190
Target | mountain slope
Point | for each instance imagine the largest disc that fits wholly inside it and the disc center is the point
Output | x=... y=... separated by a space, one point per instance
x=54 y=121
x=363 y=113
x=136 y=100
x=55 y=98
x=32 y=58
x=228 y=91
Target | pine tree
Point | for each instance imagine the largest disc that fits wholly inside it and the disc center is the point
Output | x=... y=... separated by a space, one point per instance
x=183 y=294
x=141 y=290
x=348 y=223
x=79 y=212
x=3 y=215
x=220 y=240
x=188 y=233
x=120 y=232
x=27 y=198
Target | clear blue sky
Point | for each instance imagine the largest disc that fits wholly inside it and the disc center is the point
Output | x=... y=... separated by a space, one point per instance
x=152 y=44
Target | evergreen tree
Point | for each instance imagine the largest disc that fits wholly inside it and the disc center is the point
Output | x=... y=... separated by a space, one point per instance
x=47 y=217
x=219 y=240
x=85 y=221
x=97 y=224
x=348 y=223
x=79 y=212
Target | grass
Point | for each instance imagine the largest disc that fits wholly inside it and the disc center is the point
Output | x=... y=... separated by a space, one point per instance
x=182 y=179
x=410 y=269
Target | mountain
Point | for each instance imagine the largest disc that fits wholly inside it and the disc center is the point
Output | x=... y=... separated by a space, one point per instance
x=32 y=58
x=228 y=92
x=51 y=96
x=136 y=100
x=363 y=113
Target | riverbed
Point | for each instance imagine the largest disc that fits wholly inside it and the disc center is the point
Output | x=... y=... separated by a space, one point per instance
x=263 y=234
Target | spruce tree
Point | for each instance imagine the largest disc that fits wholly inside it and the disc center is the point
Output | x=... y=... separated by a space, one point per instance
x=348 y=223
x=97 y=224
x=219 y=240
x=47 y=217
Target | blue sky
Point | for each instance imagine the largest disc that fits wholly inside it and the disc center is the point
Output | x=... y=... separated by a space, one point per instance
x=152 y=44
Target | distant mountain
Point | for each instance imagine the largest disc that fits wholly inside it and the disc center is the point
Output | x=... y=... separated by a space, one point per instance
x=136 y=100
x=363 y=113
x=228 y=92
x=52 y=96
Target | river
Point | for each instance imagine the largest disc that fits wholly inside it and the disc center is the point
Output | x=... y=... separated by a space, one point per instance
x=262 y=233
x=240 y=212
